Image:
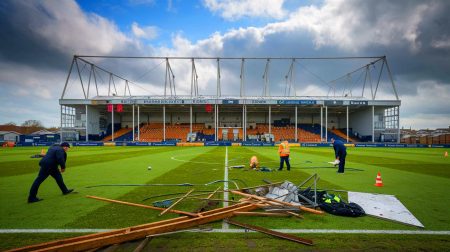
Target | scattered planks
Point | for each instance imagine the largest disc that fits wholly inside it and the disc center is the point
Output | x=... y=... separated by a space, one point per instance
x=271 y=232
x=143 y=206
x=247 y=204
x=277 y=202
x=133 y=233
x=178 y=201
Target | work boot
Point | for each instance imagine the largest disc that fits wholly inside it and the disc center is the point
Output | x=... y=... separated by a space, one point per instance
x=34 y=200
x=68 y=191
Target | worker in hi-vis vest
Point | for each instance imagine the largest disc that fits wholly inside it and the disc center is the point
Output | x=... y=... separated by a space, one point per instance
x=284 y=152
x=254 y=162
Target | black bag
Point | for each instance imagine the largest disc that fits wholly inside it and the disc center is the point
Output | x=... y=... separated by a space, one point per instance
x=343 y=209
x=333 y=204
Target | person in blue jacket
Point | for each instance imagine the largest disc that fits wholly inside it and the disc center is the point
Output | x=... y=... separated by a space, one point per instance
x=56 y=156
x=340 y=152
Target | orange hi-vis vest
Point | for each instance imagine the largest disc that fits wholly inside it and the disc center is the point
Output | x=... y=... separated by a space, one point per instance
x=283 y=149
x=254 y=160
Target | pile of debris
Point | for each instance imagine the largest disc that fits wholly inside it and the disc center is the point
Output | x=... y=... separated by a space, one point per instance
x=286 y=192
x=286 y=205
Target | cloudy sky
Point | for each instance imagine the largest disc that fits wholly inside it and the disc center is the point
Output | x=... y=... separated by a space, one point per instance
x=39 y=39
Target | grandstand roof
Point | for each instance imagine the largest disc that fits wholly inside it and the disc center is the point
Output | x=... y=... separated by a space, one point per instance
x=176 y=80
x=231 y=100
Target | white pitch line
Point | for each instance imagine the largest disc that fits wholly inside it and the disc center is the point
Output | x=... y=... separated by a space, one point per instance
x=225 y=224
x=288 y=231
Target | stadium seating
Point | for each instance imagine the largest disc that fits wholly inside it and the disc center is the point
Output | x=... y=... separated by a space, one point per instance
x=343 y=135
x=153 y=132
x=117 y=134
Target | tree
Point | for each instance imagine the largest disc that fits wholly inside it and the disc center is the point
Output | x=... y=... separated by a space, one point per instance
x=32 y=123
x=53 y=129
x=11 y=123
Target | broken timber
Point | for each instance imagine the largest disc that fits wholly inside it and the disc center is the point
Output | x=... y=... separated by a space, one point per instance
x=144 y=206
x=170 y=207
x=99 y=240
x=271 y=232
x=277 y=202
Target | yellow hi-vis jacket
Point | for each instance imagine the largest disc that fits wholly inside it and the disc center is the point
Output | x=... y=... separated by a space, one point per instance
x=254 y=161
x=283 y=149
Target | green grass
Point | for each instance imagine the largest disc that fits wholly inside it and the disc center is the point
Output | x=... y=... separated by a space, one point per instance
x=418 y=177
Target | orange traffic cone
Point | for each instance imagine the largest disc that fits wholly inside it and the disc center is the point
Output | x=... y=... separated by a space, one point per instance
x=446 y=154
x=378 y=181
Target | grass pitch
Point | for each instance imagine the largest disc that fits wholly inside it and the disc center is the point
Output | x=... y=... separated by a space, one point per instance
x=418 y=177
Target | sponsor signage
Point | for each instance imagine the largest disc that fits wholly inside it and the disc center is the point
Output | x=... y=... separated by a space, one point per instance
x=168 y=101
x=87 y=144
x=43 y=144
x=370 y=145
x=396 y=145
x=153 y=101
x=359 y=103
x=334 y=103
x=316 y=145
x=220 y=143
x=230 y=101
x=259 y=102
x=257 y=144
x=165 y=144
x=440 y=146
x=296 y=102
x=139 y=144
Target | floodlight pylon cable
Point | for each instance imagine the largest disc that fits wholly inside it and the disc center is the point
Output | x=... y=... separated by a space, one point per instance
x=149 y=71
x=110 y=74
x=356 y=70
x=313 y=74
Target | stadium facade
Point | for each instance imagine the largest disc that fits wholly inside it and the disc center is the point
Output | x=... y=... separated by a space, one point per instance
x=184 y=117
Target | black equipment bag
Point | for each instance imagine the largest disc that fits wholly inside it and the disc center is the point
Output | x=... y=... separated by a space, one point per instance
x=333 y=204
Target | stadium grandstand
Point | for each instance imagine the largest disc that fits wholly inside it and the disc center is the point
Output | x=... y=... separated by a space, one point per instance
x=206 y=99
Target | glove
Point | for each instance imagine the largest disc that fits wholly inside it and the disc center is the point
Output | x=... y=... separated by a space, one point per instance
x=336 y=162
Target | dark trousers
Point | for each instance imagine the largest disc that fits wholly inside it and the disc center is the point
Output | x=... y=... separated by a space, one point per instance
x=43 y=174
x=342 y=163
x=282 y=160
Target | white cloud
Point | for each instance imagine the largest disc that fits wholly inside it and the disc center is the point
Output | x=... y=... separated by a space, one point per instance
x=431 y=97
x=236 y=9
x=425 y=121
x=146 y=32
x=441 y=43
x=67 y=28
x=352 y=25
x=30 y=82
x=429 y=108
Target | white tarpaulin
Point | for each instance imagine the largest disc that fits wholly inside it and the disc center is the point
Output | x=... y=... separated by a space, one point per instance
x=384 y=206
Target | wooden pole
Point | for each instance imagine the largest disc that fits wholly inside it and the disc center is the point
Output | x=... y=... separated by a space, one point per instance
x=108 y=239
x=212 y=194
x=261 y=214
x=270 y=201
x=167 y=209
x=273 y=233
x=143 y=206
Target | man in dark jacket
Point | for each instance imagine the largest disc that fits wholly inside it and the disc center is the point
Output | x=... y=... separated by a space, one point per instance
x=340 y=152
x=56 y=155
